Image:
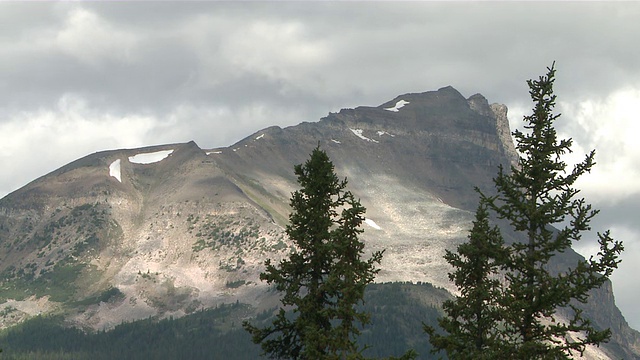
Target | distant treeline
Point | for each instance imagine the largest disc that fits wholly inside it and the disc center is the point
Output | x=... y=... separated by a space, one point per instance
x=397 y=312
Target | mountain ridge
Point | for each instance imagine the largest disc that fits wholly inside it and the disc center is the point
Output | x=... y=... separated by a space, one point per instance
x=192 y=230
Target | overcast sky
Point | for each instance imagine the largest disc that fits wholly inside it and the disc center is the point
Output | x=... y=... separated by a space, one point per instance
x=76 y=78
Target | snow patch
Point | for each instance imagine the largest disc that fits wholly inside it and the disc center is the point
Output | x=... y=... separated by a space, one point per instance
x=213 y=152
x=336 y=141
x=372 y=224
x=358 y=133
x=398 y=105
x=114 y=170
x=380 y=133
x=260 y=137
x=149 y=158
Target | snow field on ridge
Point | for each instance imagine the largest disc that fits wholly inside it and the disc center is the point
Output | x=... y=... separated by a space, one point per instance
x=149 y=158
x=398 y=105
x=114 y=170
x=358 y=133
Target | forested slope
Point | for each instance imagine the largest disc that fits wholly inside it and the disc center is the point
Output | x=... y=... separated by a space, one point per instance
x=397 y=309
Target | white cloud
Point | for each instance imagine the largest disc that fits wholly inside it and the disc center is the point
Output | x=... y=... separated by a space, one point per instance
x=515 y=114
x=611 y=126
x=77 y=32
x=35 y=142
x=214 y=126
x=227 y=48
x=202 y=35
x=92 y=40
x=274 y=49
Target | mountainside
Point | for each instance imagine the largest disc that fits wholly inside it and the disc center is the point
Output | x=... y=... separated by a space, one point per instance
x=397 y=310
x=168 y=230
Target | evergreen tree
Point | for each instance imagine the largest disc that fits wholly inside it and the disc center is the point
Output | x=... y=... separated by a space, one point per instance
x=325 y=278
x=470 y=324
x=536 y=197
x=538 y=200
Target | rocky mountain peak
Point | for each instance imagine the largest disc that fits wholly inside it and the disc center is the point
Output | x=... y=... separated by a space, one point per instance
x=169 y=229
x=449 y=130
x=479 y=104
x=444 y=110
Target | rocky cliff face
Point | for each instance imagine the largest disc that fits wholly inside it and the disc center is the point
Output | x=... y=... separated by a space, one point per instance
x=167 y=230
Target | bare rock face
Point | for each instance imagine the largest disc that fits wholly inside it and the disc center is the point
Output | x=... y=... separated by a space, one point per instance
x=167 y=230
x=504 y=133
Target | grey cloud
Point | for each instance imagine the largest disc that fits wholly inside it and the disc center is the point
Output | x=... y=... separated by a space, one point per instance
x=187 y=54
x=617 y=214
x=214 y=72
x=374 y=52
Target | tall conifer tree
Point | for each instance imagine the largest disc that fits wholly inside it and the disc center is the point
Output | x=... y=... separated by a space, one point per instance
x=538 y=200
x=470 y=330
x=325 y=278
x=535 y=196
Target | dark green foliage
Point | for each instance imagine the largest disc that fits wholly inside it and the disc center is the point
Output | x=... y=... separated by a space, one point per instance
x=108 y=295
x=536 y=195
x=533 y=197
x=209 y=334
x=235 y=284
x=325 y=278
x=396 y=312
x=470 y=324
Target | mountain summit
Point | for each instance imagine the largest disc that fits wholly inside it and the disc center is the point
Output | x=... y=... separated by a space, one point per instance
x=167 y=230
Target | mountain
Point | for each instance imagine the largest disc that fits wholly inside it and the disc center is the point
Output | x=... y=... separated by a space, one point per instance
x=166 y=231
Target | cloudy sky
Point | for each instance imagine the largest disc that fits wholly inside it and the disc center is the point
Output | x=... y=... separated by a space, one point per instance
x=76 y=78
